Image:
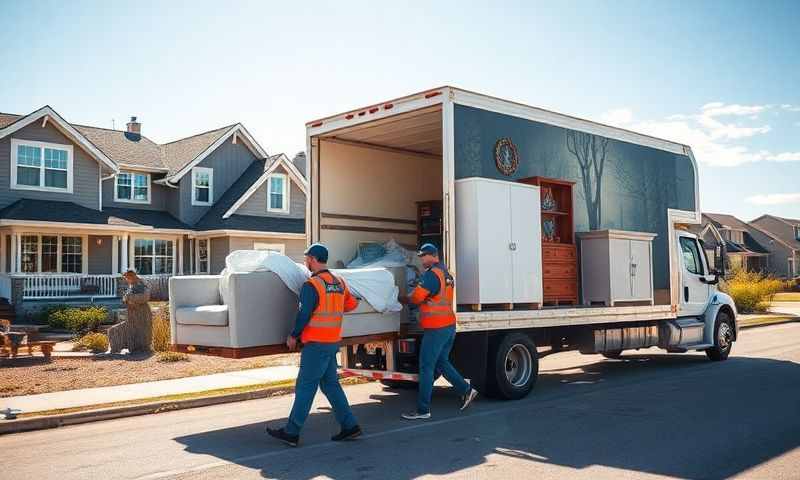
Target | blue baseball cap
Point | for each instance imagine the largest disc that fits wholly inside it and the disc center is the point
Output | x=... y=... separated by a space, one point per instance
x=318 y=251
x=428 y=249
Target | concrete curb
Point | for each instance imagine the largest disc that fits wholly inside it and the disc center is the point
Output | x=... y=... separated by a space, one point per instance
x=60 y=420
x=768 y=320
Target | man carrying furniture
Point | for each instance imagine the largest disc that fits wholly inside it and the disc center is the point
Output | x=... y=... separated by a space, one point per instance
x=434 y=295
x=323 y=300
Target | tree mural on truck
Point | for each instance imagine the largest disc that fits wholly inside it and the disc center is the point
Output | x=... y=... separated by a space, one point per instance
x=590 y=151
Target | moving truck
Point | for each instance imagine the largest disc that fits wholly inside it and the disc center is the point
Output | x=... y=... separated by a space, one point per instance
x=561 y=233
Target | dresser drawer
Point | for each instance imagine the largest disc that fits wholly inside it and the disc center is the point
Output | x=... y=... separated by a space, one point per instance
x=559 y=270
x=560 y=288
x=558 y=253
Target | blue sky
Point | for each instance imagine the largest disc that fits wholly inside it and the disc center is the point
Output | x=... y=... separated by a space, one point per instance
x=721 y=76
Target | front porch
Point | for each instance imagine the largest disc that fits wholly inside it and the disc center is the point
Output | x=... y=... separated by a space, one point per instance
x=62 y=264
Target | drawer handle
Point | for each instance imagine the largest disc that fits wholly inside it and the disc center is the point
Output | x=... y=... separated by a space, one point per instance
x=512 y=246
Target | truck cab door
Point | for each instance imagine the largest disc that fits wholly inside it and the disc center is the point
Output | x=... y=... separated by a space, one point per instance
x=694 y=276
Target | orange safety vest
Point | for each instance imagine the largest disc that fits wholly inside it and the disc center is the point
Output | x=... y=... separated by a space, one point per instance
x=325 y=325
x=437 y=310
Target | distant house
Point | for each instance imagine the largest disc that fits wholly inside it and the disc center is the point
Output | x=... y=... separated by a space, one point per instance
x=80 y=204
x=742 y=242
x=784 y=234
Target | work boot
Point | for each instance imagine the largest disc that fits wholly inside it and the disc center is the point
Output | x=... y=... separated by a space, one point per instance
x=347 y=434
x=280 y=434
x=468 y=397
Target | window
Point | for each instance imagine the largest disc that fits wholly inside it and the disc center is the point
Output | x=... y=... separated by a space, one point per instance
x=277 y=193
x=202 y=255
x=737 y=237
x=270 y=247
x=132 y=187
x=691 y=256
x=51 y=254
x=152 y=257
x=797 y=232
x=41 y=166
x=202 y=186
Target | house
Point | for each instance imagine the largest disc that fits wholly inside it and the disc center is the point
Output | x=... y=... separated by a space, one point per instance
x=784 y=234
x=743 y=244
x=80 y=204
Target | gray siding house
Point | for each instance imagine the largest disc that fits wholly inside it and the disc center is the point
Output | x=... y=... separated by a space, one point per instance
x=783 y=244
x=743 y=244
x=80 y=204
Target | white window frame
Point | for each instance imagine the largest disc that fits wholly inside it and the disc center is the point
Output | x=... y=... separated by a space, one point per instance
x=197 y=255
x=153 y=255
x=133 y=175
x=16 y=142
x=279 y=247
x=210 y=171
x=59 y=255
x=286 y=188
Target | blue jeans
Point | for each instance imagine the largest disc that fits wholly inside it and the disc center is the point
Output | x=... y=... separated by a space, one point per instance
x=434 y=356
x=318 y=369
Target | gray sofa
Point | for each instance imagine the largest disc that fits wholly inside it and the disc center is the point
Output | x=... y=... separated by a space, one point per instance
x=259 y=310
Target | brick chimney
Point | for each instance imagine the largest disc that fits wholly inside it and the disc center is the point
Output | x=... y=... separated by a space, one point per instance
x=134 y=127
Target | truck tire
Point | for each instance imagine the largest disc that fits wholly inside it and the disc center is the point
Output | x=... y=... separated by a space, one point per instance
x=613 y=355
x=723 y=338
x=513 y=366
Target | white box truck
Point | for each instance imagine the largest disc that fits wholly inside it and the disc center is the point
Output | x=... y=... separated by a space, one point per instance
x=376 y=171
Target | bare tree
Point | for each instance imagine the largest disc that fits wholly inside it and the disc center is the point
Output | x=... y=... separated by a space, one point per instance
x=590 y=151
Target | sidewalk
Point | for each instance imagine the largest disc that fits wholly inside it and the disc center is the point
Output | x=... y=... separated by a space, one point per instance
x=119 y=393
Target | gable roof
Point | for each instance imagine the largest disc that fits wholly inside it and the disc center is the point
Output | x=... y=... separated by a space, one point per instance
x=275 y=161
x=215 y=218
x=721 y=220
x=787 y=237
x=120 y=148
x=47 y=113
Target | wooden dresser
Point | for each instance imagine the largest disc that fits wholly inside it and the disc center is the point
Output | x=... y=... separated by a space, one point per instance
x=559 y=252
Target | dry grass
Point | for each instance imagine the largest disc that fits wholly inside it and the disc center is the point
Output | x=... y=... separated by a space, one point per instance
x=161 y=337
x=169 y=357
x=27 y=376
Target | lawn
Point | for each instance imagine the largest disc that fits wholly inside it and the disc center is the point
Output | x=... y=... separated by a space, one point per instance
x=786 y=297
x=27 y=376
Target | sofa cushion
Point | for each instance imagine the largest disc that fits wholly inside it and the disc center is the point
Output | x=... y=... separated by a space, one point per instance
x=208 y=315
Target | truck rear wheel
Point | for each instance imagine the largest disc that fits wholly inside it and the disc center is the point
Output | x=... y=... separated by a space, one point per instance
x=513 y=366
x=723 y=338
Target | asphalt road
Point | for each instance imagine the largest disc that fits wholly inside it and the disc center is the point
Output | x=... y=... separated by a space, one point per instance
x=650 y=415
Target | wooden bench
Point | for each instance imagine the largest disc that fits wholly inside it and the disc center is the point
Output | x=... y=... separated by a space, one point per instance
x=11 y=342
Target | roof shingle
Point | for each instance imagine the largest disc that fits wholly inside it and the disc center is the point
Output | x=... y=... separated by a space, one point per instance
x=68 y=212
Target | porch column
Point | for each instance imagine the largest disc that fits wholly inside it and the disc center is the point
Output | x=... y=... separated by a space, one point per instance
x=124 y=252
x=2 y=252
x=180 y=255
x=175 y=257
x=18 y=253
x=14 y=259
x=115 y=254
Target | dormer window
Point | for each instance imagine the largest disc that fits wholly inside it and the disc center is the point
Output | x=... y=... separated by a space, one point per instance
x=278 y=193
x=202 y=186
x=41 y=166
x=132 y=187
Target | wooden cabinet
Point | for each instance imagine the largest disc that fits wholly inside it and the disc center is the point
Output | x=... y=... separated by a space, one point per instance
x=616 y=267
x=559 y=254
x=498 y=239
x=429 y=223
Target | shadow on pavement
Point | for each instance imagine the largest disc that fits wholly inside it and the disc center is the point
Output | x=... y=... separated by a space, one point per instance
x=674 y=415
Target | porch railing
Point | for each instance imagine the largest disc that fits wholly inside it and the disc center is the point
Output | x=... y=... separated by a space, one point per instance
x=55 y=286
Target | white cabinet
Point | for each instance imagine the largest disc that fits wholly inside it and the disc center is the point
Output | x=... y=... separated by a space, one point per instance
x=616 y=267
x=498 y=242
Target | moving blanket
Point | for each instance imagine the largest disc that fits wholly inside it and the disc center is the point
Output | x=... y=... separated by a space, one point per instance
x=374 y=285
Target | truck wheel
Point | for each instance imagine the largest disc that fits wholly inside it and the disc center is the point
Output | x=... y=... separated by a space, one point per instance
x=514 y=366
x=723 y=338
x=613 y=355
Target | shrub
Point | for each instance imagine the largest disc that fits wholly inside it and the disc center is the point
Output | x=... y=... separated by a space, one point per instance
x=94 y=342
x=161 y=332
x=751 y=291
x=172 y=357
x=78 y=319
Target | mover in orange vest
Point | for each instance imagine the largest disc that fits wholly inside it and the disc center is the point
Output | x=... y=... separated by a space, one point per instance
x=323 y=300
x=434 y=295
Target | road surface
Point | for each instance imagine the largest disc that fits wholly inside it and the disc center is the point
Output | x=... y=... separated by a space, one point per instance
x=650 y=415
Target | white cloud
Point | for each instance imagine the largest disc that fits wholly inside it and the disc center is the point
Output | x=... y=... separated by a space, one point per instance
x=774 y=199
x=791 y=108
x=713 y=141
x=618 y=117
x=717 y=109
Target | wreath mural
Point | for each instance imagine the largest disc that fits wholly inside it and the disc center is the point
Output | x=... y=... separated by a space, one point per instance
x=506 y=156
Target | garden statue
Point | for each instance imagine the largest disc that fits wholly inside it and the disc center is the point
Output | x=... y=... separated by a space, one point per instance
x=135 y=333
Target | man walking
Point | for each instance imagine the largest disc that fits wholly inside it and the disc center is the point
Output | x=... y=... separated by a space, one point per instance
x=434 y=295
x=323 y=300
